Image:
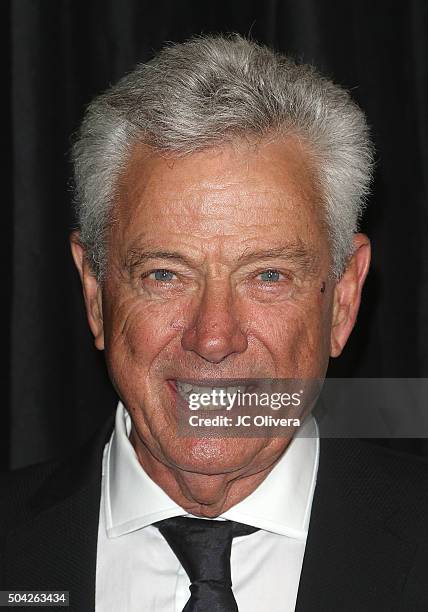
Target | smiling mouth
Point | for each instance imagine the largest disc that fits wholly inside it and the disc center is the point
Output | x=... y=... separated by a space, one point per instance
x=218 y=391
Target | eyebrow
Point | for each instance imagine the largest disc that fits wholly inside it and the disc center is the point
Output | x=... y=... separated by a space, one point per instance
x=296 y=253
x=137 y=257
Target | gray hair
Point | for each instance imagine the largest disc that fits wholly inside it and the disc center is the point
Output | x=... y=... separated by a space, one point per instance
x=209 y=90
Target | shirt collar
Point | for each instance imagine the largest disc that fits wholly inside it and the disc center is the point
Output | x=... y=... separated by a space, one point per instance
x=281 y=503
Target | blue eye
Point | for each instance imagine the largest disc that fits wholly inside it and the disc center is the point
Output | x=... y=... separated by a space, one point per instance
x=163 y=275
x=270 y=276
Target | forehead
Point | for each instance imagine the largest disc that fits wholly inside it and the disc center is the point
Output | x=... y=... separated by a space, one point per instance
x=251 y=192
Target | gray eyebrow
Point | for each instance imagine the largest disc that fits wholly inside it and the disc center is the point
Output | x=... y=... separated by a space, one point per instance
x=136 y=257
x=296 y=253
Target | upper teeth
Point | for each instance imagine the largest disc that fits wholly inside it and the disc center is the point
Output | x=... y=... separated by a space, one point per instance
x=186 y=389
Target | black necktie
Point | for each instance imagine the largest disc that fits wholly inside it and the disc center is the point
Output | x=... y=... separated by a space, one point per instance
x=203 y=549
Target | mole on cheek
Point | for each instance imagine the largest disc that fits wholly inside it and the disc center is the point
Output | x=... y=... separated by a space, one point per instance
x=322 y=287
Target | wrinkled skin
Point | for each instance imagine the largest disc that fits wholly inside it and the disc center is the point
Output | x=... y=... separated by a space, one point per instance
x=215 y=222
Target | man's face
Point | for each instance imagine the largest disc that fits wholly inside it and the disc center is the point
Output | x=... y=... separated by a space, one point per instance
x=216 y=268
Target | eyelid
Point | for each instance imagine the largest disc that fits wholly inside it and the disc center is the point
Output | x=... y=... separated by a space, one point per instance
x=283 y=273
x=149 y=272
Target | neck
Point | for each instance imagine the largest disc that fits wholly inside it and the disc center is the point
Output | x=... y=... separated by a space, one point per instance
x=206 y=495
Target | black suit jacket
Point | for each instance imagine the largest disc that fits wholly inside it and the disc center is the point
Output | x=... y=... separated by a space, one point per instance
x=367 y=546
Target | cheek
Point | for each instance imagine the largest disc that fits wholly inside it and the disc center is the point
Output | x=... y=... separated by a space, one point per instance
x=136 y=332
x=296 y=335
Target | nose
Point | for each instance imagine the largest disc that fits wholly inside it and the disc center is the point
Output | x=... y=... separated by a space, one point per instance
x=214 y=332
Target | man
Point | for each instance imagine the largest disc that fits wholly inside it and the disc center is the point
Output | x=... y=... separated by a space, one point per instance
x=219 y=188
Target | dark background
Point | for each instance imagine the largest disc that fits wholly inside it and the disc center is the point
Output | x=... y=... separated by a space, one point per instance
x=59 y=54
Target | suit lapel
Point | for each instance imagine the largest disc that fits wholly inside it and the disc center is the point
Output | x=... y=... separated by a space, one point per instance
x=56 y=548
x=353 y=559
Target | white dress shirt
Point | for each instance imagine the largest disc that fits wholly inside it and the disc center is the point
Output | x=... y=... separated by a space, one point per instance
x=138 y=572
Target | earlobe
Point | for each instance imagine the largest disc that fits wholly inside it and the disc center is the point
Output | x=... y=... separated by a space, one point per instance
x=347 y=295
x=91 y=290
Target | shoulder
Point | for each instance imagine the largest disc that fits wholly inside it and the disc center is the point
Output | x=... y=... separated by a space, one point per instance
x=364 y=456
x=26 y=492
x=17 y=488
x=378 y=481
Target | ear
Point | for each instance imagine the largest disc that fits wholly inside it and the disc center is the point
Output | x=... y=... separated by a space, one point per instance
x=347 y=295
x=91 y=290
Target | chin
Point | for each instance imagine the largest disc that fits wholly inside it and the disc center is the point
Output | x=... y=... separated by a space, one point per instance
x=213 y=455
